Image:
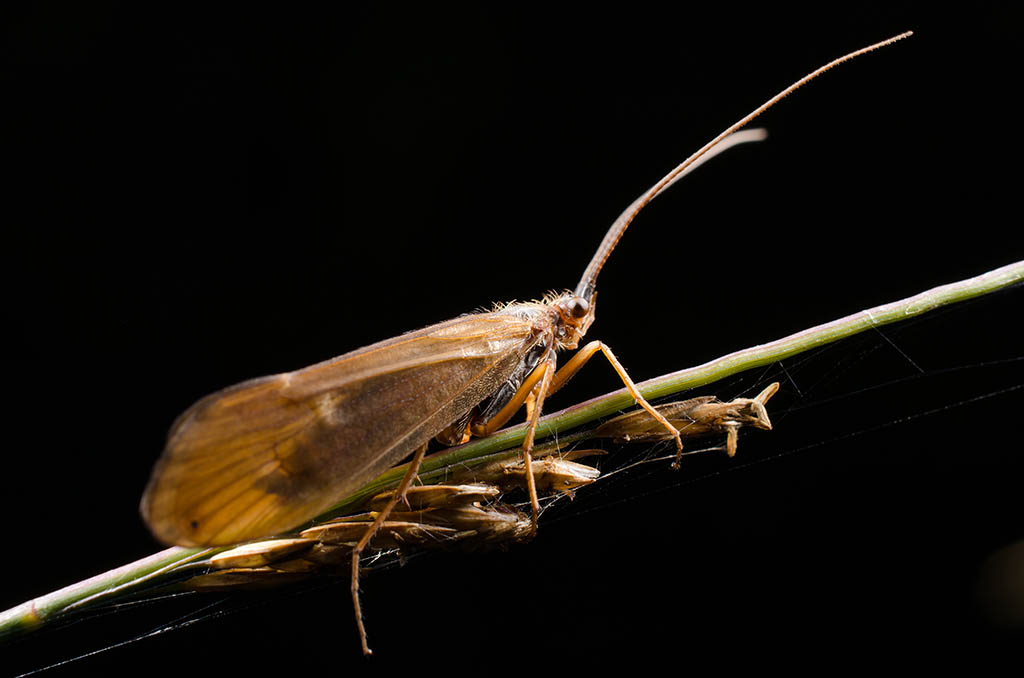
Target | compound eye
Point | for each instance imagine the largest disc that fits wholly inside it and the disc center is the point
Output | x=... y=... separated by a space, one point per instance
x=578 y=307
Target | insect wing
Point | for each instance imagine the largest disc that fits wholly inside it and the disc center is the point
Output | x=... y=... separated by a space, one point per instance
x=269 y=454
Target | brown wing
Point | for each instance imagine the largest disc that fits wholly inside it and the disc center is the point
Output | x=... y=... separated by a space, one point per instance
x=269 y=454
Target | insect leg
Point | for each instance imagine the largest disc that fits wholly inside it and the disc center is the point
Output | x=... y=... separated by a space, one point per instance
x=523 y=394
x=547 y=368
x=533 y=390
x=586 y=353
x=399 y=495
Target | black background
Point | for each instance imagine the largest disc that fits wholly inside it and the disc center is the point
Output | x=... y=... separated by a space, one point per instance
x=195 y=197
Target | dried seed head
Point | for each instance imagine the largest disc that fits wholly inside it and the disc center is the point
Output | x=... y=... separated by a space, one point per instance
x=427 y=496
x=482 y=526
x=467 y=515
x=260 y=553
x=392 y=534
x=705 y=415
x=551 y=474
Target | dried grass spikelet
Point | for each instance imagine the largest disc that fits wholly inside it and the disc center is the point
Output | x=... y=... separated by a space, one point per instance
x=467 y=516
x=695 y=417
x=468 y=512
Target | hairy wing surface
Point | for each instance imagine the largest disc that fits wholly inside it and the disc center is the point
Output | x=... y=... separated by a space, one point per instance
x=269 y=454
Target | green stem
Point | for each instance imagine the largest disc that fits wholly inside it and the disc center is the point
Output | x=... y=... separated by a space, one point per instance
x=172 y=563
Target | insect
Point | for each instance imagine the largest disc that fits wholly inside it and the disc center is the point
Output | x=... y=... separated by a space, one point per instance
x=267 y=455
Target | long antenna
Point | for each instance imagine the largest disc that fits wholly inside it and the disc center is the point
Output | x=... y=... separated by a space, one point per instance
x=588 y=282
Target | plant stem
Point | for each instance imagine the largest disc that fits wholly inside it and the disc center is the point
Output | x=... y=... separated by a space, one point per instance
x=169 y=564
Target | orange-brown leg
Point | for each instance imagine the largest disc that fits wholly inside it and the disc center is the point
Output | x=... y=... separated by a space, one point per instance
x=403 y=488
x=527 y=391
x=586 y=353
x=539 y=393
x=532 y=391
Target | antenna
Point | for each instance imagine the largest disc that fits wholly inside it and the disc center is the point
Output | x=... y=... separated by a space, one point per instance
x=588 y=282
